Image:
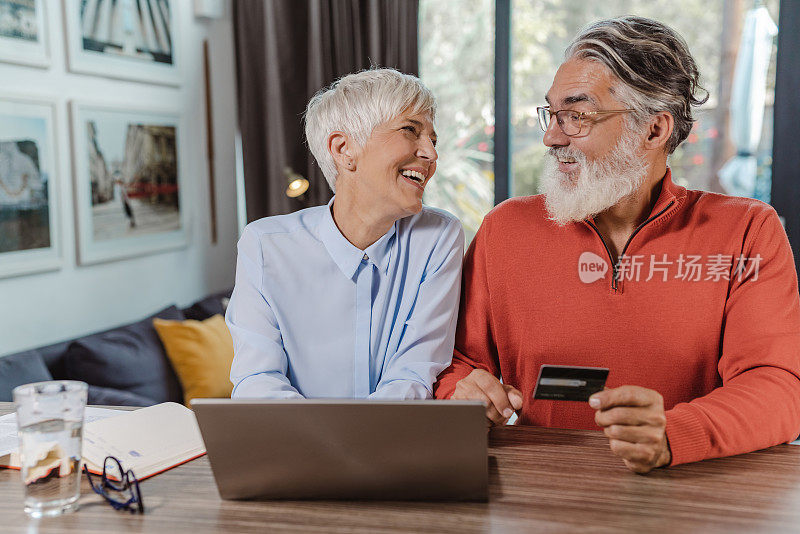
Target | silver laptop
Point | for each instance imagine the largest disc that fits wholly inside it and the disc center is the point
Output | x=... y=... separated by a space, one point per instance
x=346 y=449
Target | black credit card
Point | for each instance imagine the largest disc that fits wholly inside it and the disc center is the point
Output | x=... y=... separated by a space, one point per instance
x=564 y=382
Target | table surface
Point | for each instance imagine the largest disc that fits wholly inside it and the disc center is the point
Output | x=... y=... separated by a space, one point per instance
x=540 y=480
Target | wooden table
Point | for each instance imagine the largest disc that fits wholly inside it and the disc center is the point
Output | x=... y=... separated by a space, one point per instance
x=541 y=480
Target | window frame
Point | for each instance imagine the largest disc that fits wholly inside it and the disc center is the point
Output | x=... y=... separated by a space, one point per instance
x=502 y=100
x=785 y=148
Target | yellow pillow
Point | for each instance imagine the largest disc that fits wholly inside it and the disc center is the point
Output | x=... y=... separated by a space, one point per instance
x=201 y=353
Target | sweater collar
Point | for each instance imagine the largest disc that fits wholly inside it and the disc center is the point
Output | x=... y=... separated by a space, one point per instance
x=670 y=194
x=670 y=197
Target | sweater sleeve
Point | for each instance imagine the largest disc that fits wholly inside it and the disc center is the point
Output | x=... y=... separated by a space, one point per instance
x=758 y=404
x=474 y=346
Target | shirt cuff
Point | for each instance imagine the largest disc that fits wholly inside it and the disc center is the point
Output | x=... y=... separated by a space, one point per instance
x=401 y=390
x=686 y=435
x=262 y=386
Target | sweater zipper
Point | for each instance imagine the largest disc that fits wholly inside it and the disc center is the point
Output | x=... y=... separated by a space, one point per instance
x=628 y=242
x=610 y=257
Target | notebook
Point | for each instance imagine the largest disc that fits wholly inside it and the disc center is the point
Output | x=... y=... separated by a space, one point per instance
x=148 y=441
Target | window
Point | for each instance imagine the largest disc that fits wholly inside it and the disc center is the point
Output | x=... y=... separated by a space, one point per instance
x=457 y=63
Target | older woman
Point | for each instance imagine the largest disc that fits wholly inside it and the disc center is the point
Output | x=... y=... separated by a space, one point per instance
x=357 y=298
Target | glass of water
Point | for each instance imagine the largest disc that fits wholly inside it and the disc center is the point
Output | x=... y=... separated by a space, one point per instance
x=50 y=425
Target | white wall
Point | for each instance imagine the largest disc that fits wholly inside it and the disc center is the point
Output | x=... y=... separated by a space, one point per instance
x=45 y=308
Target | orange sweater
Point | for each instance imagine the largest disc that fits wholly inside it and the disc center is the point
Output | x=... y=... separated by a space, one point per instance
x=715 y=329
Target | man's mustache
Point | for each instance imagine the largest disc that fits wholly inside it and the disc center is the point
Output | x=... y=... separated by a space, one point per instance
x=566 y=152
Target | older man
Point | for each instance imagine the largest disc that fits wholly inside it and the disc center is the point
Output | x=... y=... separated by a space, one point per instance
x=690 y=298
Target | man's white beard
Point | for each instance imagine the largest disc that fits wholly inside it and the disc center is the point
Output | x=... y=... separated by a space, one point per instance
x=599 y=185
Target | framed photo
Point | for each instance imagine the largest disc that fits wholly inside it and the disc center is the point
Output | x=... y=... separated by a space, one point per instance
x=128 y=39
x=129 y=190
x=23 y=35
x=29 y=188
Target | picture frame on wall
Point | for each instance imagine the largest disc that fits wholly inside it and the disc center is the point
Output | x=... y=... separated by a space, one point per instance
x=30 y=188
x=126 y=39
x=130 y=192
x=23 y=33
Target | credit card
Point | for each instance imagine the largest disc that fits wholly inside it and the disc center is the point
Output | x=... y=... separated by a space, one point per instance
x=565 y=382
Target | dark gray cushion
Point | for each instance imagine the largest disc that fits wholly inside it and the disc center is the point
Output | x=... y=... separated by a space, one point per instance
x=53 y=356
x=130 y=357
x=21 y=368
x=209 y=306
x=116 y=397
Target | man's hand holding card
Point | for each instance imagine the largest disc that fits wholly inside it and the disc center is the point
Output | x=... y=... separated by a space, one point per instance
x=633 y=419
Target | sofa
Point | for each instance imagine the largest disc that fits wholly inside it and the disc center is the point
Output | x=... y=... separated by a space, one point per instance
x=124 y=366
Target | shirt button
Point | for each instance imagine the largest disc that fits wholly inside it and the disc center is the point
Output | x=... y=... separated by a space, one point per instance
x=366 y=257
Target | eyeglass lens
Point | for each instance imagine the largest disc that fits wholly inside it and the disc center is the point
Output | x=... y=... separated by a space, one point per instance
x=569 y=121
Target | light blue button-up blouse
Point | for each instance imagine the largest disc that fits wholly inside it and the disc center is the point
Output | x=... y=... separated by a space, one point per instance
x=312 y=315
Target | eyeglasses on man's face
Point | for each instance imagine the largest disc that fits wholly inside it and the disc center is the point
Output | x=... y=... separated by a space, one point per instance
x=122 y=493
x=571 y=122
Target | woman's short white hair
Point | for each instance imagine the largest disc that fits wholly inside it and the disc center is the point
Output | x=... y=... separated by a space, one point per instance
x=355 y=104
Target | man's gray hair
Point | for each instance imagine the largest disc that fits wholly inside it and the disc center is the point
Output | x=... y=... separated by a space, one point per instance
x=357 y=103
x=653 y=63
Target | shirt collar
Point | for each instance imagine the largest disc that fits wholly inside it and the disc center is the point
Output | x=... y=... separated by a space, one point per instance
x=381 y=250
x=346 y=255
